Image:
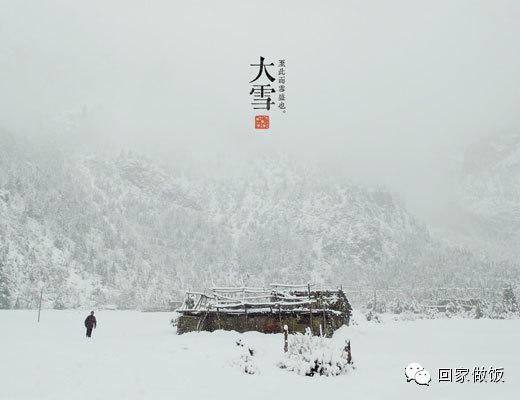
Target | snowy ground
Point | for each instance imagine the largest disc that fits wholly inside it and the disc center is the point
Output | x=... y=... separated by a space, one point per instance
x=136 y=355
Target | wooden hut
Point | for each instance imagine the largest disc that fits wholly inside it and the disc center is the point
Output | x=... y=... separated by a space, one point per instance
x=245 y=309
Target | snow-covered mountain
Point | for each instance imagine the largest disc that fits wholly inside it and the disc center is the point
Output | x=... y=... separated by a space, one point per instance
x=486 y=212
x=131 y=231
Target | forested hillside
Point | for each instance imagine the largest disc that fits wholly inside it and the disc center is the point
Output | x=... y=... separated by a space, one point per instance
x=491 y=190
x=126 y=230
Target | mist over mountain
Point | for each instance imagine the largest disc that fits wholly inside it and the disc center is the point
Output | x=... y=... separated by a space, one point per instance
x=133 y=231
x=485 y=211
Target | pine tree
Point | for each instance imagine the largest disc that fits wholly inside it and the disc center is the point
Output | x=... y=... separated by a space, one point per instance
x=510 y=299
x=5 y=295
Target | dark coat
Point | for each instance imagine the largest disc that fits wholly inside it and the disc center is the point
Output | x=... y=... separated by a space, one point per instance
x=90 y=322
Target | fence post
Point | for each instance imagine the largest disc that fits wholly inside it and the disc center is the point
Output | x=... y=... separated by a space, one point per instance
x=285 y=338
x=324 y=316
x=280 y=316
x=218 y=318
x=349 y=352
x=40 y=305
x=310 y=304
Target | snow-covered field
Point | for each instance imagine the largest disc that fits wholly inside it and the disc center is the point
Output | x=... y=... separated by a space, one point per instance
x=136 y=355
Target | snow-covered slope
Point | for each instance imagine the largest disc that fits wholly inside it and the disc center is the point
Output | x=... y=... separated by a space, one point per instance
x=128 y=231
x=486 y=213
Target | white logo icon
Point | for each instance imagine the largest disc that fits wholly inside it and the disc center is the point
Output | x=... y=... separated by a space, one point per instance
x=415 y=372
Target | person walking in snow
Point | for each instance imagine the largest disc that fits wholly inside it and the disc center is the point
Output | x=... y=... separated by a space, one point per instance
x=90 y=323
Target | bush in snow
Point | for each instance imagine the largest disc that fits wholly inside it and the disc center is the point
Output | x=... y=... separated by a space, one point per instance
x=373 y=316
x=312 y=355
x=478 y=312
x=244 y=360
x=499 y=310
x=408 y=316
x=509 y=299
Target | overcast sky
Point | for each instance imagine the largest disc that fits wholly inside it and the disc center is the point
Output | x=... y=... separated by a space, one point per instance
x=388 y=91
